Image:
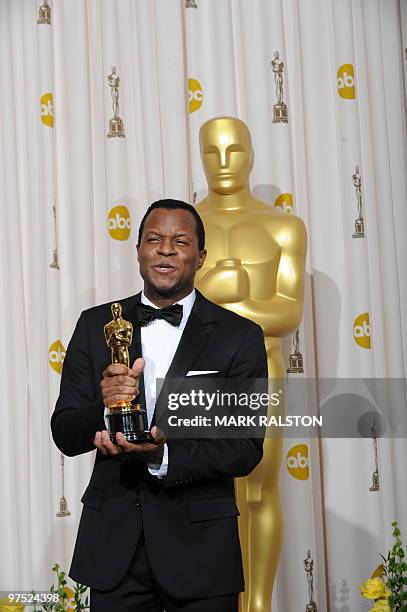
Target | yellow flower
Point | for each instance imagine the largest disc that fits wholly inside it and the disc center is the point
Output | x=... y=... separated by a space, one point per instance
x=374 y=588
x=381 y=605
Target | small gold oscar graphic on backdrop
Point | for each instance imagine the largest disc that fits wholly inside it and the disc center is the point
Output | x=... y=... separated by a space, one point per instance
x=116 y=129
x=375 y=476
x=55 y=263
x=44 y=13
x=309 y=567
x=63 y=504
x=280 y=111
x=359 y=224
x=191 y=4
x=296 y=361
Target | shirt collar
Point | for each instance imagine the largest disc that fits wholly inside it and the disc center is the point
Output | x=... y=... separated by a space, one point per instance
x=187 y=303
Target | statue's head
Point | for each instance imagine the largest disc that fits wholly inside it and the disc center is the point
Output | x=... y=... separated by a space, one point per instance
x=227 y=154
x=116 y=311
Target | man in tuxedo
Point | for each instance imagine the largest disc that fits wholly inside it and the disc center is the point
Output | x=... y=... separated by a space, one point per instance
x=159 y=523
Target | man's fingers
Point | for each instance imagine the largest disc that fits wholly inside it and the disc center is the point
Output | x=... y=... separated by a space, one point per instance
x=119 y=389
x=138 y=366
x=114 y=369
x=104 y=444
x=124 y=445
x=119 y=379
x=158 y=435
x=98 y=443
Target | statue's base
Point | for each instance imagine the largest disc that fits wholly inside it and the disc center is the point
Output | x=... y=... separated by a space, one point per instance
x=375 y=482
x=116 y=129
x=132 y=423
x=63 y=508
x=296 y=364
x=280 y=113
x=359 y=229
x=311 y=607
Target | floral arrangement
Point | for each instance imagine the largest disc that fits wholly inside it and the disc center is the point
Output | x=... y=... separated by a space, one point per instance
x=387 y=587
x=60 y=589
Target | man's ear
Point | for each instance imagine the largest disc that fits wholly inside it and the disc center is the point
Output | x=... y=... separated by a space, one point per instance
x=201 y=260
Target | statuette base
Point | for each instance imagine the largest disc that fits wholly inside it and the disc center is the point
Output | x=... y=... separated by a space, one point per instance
x=296 y=364
x=131 y=422
x=280 y=113
x=191 y=4
x=116 y=129
x=375 y=482
x=359 y=229
x=63 y=508
x=311 y=607
x=44 y=15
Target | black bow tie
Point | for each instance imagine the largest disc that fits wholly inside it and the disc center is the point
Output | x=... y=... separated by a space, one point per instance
x=171 y=314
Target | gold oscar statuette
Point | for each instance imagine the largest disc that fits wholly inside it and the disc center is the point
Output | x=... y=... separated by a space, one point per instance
x=375 y=476
x=116 y=129
x=55 y=263
x=63 y=504
x=255 y=267
x=296 y=361
x=280 y=111
x=309 y=567
x=359 y=223
x=125 y=417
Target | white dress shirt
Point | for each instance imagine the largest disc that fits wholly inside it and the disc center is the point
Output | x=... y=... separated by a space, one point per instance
x=159 y=341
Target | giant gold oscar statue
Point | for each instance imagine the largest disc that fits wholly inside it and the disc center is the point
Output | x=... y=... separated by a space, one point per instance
x=255 y=267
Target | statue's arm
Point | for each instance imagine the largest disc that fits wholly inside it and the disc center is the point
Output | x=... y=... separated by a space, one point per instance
x=281 y=314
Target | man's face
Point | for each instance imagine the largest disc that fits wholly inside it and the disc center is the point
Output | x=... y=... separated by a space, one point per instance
x=227 y=155
x=168 y=253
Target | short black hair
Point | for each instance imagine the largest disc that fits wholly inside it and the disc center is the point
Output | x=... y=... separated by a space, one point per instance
x=174 y=205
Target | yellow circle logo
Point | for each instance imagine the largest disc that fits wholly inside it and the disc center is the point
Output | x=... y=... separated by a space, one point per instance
x=47 y=109
x=119 y=223
x=361 y=330
x=56 y=356
x=346 y=82
x=297 y=462
x=69 y=601
x=285 y=202
x=195 y=95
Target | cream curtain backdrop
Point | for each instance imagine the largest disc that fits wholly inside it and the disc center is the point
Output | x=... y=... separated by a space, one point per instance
x=178 y=67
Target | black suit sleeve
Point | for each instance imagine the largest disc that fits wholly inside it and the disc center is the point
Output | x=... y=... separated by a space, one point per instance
x=192 y=460
x=78 y=412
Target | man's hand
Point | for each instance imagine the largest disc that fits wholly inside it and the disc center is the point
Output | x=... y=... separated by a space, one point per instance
x=121 y=384
x=147 y=452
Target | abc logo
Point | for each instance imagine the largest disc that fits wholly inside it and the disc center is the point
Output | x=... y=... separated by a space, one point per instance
x=361 y=330
x=56 y=356
x=195 y=95
x=346 y=82
x=69 y=600
x=297 y=462
x=47 y=109
x=285 y=202
x=119 y=223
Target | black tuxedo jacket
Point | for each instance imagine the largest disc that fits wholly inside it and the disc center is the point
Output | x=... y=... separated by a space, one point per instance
x=189 y=519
